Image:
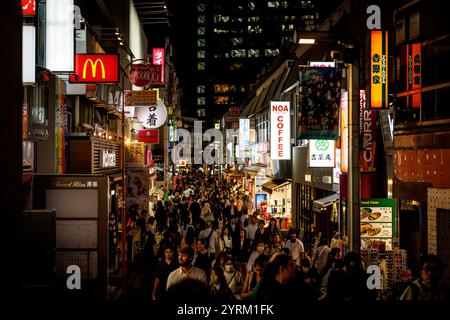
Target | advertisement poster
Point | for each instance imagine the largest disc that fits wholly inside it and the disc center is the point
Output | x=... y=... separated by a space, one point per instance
x=137 y=188
x=318 y=111
x=134 y=155
x=377 y=222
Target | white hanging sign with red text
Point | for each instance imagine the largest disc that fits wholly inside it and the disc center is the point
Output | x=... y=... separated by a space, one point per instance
x=280 y=129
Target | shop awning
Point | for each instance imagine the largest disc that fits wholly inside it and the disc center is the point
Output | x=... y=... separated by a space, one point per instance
x=275 y=184
x=325 y=202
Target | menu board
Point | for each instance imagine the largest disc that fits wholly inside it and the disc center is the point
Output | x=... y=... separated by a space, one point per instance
x=377 y=218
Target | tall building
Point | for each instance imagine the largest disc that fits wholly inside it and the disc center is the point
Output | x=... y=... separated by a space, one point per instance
x=231 y=42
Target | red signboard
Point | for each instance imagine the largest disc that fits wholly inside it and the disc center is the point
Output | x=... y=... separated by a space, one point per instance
x=414 y=70
x=369 y=140
x=29 y=7
x=149 y=136
x=95 y=68
x=158 y=59
x=142 y=74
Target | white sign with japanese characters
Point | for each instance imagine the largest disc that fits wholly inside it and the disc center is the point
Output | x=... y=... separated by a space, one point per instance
x=321 y=153
x=152 y=117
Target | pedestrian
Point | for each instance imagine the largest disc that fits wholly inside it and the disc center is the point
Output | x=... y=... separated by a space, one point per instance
x=186 y=269
x=295 y=247
x=162 y=271
x=428 y=285
x=233 y=277
x=218 y=289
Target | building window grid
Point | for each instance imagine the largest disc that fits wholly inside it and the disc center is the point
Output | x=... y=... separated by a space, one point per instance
x=201 y=7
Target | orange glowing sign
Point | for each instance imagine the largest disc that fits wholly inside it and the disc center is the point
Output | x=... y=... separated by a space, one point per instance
x=414 y=78
x=379 y=69
x=96 y=68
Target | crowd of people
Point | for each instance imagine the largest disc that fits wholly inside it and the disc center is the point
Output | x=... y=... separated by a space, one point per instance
x=205 y=242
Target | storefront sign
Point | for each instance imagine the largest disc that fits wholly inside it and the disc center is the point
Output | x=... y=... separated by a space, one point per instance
x=95 y=68
x=158 y=59
x=134 y=155
x=280 y=119
x=344 y=132
x=321 y=153
x=337 y=168
x=142 y=74
x=322 y=64
x=379 y=69
x=107 y=158
x=76 y=184
x=152 y=117
x=369 y=140
x=59 y=38
x=28 y=7
x=182 y=162
x=149 y=136
x=28 y=54
x=234 y=111
x=244 y=133
x=414 y=78
x=140 y=98
x=318 y=109
x=260 y=179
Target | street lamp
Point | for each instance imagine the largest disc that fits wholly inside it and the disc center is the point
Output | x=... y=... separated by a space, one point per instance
x=354 y=174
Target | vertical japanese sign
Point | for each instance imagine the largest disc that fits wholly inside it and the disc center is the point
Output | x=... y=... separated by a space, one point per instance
x=151 y=117
x=344 y=132
x=379 y=69
x=158 y=59
x=414 y=78
x=244 y=133
x=280 y=130
x=29 y=7
x=318 y=108
x=368 y=135
x=321 y=153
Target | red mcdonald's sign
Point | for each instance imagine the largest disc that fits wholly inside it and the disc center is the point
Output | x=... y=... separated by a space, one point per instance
x=96 y=68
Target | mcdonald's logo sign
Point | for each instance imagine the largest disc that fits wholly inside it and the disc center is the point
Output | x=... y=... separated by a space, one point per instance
x=96 y=68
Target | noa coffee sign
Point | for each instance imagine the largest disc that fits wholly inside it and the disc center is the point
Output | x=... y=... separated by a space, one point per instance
x=143 y=74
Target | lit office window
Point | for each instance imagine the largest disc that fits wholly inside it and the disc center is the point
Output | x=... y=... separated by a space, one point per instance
x=273 y=4
x=201 y=89
x=271 y=52
x=236 y=41
x=220 y=31
x=201 y=54
x=201 y=7
x=254 y=29
x=251 y=5
x=201 y=42
x=200 y=66
x=221 y=88
x=201 y=31
x=253 y=53
x=221 y=100
x=253 y=19
x=285 y=4
x=201 y=101
x=219 y=18
x=238 y=53
x=201 y=19
x=291 y=27
x=201 y=113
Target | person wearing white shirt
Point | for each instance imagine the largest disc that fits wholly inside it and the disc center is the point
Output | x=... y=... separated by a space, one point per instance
x=213 y=239
x=295 y=247
x=186 y=269
x=251 y=228
x=225 y=241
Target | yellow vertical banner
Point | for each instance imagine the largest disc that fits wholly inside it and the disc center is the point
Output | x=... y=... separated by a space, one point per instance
x=379 y=69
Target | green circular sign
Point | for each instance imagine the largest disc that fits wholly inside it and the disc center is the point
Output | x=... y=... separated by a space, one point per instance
x=322 y=145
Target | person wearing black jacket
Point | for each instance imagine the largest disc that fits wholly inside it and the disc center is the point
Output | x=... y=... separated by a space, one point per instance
x=261 y=235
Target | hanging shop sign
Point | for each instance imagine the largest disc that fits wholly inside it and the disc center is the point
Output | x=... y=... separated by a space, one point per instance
x=158 y=59
x=321 y=154
x=337 y=168
x=152 y=117
x=135 y=154
x=59 y=38
x=322 y=64
x=344 y=132
x=28 y=7
x=107 y=159
x=379 y=69
x=244 y=133
x=377 y=220
x=143 y=74
x=148 y=136
x=28 y=54
x=234 y=111
x=96 y=68
x=140 y=98
x=414 y=78
x=318 y=109
x=368 y=134
x=280 y=121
